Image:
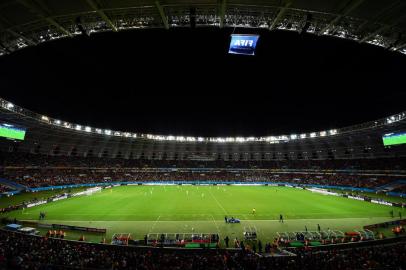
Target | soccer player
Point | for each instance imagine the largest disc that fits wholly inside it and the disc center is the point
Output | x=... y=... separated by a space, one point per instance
x=391 y=213
x=280 y=218
x=318 y=227
x=253 y=211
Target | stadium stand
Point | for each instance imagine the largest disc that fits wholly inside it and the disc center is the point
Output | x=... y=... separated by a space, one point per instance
x=27 y=159
x=4 y=189
x=352 y=157
x=400 y=190
x=55 y=177
x=43 y=170
x=19 y=251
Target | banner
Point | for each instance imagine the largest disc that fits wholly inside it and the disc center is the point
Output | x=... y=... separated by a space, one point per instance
x=77 y=228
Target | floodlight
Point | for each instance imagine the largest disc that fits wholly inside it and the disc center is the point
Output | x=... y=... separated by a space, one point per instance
x=333 y=131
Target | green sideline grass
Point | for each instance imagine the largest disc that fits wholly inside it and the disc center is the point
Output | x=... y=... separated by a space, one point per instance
x=374 y=195
x=17 y=199
x=175 y=209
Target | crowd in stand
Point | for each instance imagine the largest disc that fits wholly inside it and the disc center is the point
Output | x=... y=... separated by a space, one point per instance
x=41 y=170
x=4 y=188
x=53 y=177
x=18 y=251
x=25 y=159
x=401 y=189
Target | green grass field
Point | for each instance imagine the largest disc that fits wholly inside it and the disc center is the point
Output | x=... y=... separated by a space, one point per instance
x=13 y=200
x=377 y=196
x=179 y=209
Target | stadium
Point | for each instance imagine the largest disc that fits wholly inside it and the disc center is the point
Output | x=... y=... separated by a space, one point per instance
x=310 y=174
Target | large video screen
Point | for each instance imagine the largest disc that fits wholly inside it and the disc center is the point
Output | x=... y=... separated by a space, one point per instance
x=11 y=132
x=243 y=44
x=394 y=139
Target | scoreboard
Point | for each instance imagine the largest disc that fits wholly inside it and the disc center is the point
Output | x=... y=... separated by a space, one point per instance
x=11 y=132
x=243 y=44
x=394 y=139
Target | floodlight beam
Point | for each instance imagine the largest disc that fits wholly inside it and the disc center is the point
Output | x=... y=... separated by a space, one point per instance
x=161 y=11
x=383 y=28
x=352 y=5
x=103 y=15
x=223 y=5
x=37 y=11
x=14 y=33
x=280 y=15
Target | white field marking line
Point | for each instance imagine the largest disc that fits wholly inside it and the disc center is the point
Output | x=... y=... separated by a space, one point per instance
x=176 y=215
x=215 y=223
x=153 y=226
x=218 y=203
x=205 y=220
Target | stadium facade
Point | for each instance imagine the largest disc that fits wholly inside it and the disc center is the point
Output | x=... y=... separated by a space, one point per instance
x=28 y=23
x=46 y=135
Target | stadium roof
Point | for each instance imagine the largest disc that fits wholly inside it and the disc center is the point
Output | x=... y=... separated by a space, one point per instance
x=10 y=109
x=56 y=137
x=25 y=23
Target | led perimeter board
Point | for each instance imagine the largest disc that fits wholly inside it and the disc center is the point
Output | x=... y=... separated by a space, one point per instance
x=11 y=132
x=394 y=139
x=243 y=44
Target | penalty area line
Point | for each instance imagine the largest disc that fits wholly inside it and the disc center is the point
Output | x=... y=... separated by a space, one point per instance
x=153 y=225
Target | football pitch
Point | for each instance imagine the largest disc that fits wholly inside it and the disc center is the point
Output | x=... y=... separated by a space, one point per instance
x=140 y=210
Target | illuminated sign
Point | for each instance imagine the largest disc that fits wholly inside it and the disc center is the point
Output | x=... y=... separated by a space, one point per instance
x=243 y=44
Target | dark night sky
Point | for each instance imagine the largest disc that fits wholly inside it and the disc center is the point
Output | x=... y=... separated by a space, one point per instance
x=183 y=82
